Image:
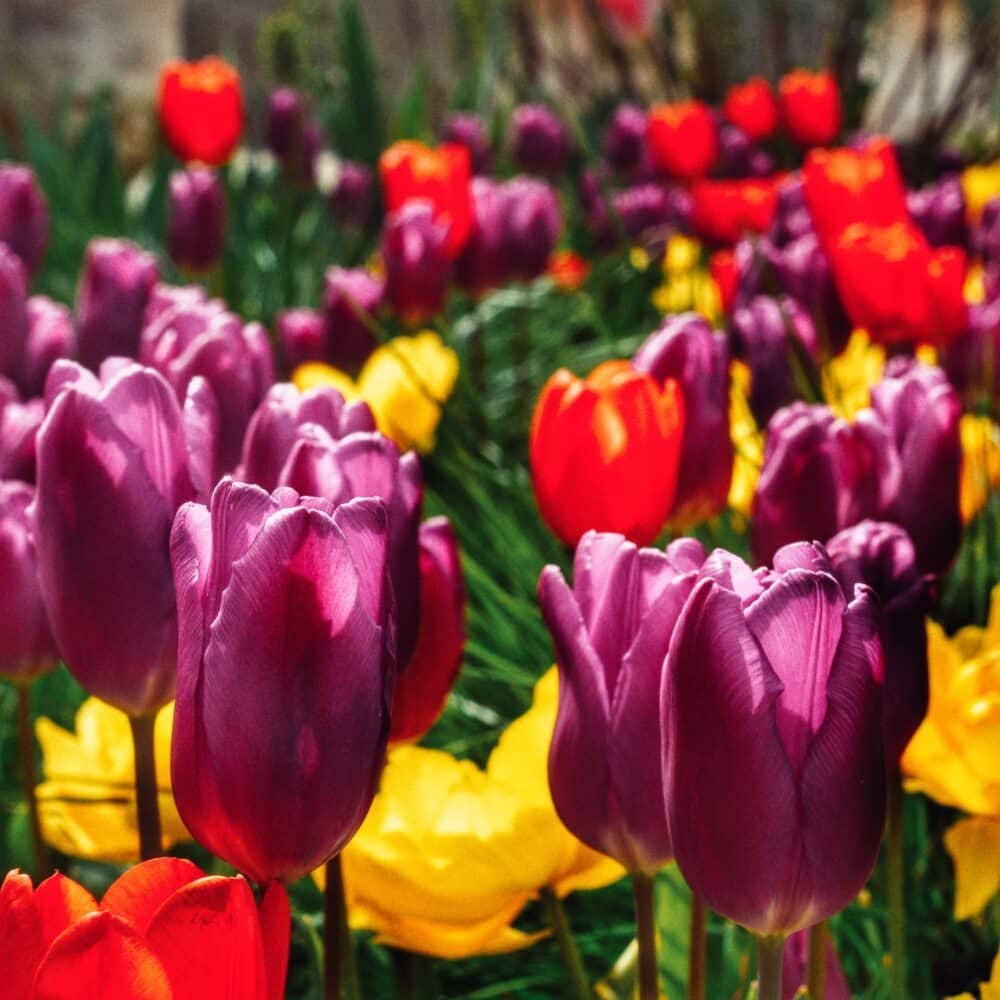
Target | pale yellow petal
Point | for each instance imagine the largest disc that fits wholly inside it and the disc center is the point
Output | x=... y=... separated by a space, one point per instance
x=974 y=846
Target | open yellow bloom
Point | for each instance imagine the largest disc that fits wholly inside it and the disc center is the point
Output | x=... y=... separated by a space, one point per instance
x=87 y=801
x=406 y=382
x=980 y=184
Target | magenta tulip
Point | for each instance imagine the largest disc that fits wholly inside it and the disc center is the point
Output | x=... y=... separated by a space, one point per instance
x=197 y=228
x=19 y=423
x=417 y=267
x=482 y=264
x=13 y=313
x=469 y=130
x=351 y=298
x=24 y=214
x=533 y=221
x=539 y=142
x=302 y=336
x=51 y=336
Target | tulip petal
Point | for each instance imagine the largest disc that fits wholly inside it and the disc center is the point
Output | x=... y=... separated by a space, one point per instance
x=60 y=902
x=974 y=846
x=21 y=943
x=363 y=525
x=201 y=431
x=136 y=895
x=275 y=928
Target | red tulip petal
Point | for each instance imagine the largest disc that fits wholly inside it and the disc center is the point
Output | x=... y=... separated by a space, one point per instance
x=21 y=947
x=139 y=893
x=275 y=915
x=60 y=902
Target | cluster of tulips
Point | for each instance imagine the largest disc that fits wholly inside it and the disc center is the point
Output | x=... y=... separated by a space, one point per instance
x=178 y=525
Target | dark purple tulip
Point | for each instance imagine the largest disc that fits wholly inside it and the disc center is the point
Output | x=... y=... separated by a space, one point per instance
x=469 y=130
x=795 y=969
x=821 y=475
x=611 y=633
x=312 y=143
x=532 y=226
x=986 y=237
x=771 y=702
x=735 y=150
x=882 y=556
x=417 y=268
x=625 y=138
x=284 y=124
x=283 y=687
x=760 y=164
x=51 y=335
x=482 y=265
x=275 y=426
x=13 y=313
x=19 y=423
x=791 y=218
x=687 y=349
x=970 y=359
x=302 y=336
x=922 y=411
x=939 y=211
x=197 y=228
x=351 y=197
x=351 y=297
x=24 y=214
x=642 y=208
x=118 y=277
x=112 y=471
x=597 y=215
x=539 y=141
x=27 y=648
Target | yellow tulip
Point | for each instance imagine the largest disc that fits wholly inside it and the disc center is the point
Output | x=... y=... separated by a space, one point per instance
x=980 y=462
x=981 y=184
x=406 y=382
x=847 y=379
x=748 y=441
x=990 y=990
x=87 y=801
x=682 y=255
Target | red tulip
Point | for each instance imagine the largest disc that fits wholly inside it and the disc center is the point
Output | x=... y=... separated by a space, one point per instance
x=722 y=267
x=200 y=105
x=752 y=107
x=682 y=138
x=724 y=211
x=810 y=106
x=605 y=452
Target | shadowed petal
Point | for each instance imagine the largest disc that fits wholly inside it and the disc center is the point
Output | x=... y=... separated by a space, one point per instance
x=136 y=895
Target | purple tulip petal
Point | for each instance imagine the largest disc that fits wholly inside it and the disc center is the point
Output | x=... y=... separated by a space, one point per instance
x=201 y=431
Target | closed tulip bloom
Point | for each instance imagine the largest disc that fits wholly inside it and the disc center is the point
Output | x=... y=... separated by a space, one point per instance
x=735 y=150
x=112 y=471
x=284 y=124
x=689 y=351
x=986 y=236
x=352 y=195
x=791 y=216
x=605 y=452
x=539 y=142
x=939 y=211
x=280 y=605
x=200 y=105
x=752 y=107
x=24 y=214
x=625 y=138
x=611 y=633
x=723 y=211
x=115 y=287
x=722 y=267
x=642 y=208
x=351 y=298
x=772 y=702
x=51 y=335
x=13 y=313
x=469 y=130
x=197 y=228
x=483 y=264
x=302 y=336
x=533 y=222
x=810 y=107
x=417 y=266
x=19 y=423
x=683 y=139
x=422 y=688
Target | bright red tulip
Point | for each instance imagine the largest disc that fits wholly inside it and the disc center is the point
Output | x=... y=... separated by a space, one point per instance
x=722 y=267
x=683 y=140
x=810 y=106
x=752 y=107
x=200 y=105
x=724 y=211
x=605 y=452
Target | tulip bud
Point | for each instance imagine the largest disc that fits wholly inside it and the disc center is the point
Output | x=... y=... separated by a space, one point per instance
x=469 y=130
x=112 y=470
x=605 y=452
x=795 y=969
x=197 y=226
x=771 y=709
x=682 y=139
x=688 y=350
x=596 y=212
x=625 y=138
x=24 y=214
x=284 y=124
x=118 y=277
x=539 y=142
x=735 y=150
x=27 y=648
x=51 y=335
x=611 y=634
x=351 y=197
x=417 y=266
x=810 y=107
x=532 y=226
x=642 y=208
x=791 y=217
x=939 y=211
x=351 y=297
x=423 y=687
x=752 y=107
x=13 y=313
x=482 y=265
x=280 y=603
x=302 y=335
x=19 y=423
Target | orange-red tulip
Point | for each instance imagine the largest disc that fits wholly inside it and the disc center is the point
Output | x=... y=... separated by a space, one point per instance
x=568 y=270
x=724 y=211
x=726 y=275
x=605 y=452
x=201 y=109
x=810 y=106
x=752 y=107
x=683 y=140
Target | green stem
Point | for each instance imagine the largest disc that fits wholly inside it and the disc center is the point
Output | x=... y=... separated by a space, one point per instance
x=897 y=900
x=816 y=968
x=645 y=930
x=769 y=951
x=29 y=778
x=556 y=912
x=147 y=803
x=698 y=950
x=340 y=979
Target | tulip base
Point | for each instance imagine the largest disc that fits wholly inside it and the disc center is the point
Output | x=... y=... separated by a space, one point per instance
x=147 y=802
x=816 y=968
x=340 y=975
x=697 y=950
x=579 y=984
x=769 y=952
x=29 y=778
x=645 y=929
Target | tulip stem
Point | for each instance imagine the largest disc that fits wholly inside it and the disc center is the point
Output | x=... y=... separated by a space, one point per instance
x=558 y=921
x=147 y=802
x=769 y=952
x=645 y=931
x=698 y=950
x=26 y=760
x=816 y=969
x=341 y=972
x=897 y=900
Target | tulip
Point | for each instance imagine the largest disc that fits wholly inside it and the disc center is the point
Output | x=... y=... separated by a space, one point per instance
x=981 y=184
x=686 y=349
x=200 y=105
x=539 y=142
x=469 y=130
x=164 y=297
x=752 y=107
x=723 y=211
x=13 y=312
x=682 y=139
x=625 y=138
x=24 y=214
x=115 y=287
x=600 y=225
x=939 y=212
x=284 y=124
x=642 y=208
x=810 y=106
x=483 y=263
x=302 y=336
x=532 y=225
x=772 y=728
x=568 y=270
x=411 y=171
x=352 y=195
x=986 y=236
x=605 y=452
x=19 y=423
x=722 y=267
x=163 y=929
x=51 y=335
x=423 y=687
x=251 y=571
x=795 y=966
x=351 y=298
x=197 y=226
x=417 y=266
x=791 y=215
x=735 y=150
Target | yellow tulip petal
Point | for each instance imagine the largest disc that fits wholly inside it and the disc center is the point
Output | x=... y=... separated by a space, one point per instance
x=974 y=846
x=980 y=184
x=847 y=379
x=748 y=441
x=980 y=462
x=315 y=373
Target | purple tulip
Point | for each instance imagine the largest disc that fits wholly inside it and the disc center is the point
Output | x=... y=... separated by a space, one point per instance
x=13 y=313
x=197 y=228
x=164 y=297
x=986 y=237
x=469 y=130
x=351 y=297
x=283 y=685
x=611 y=633
x=112 y=471
x=482 y=265
x=922 y=412
x=735 y=150
x=597 y=215
x=19 y=423
x=969 y=359
x=539 y=141
x=417 y=268
x=821 y=475
x=687 y=349
x=939 y=210
x=302 y=336
x=625 y=138
x=27 y=648
x=24 y=214
x=791 y=218
x=51 y=336
x=532 y=226
x=351 y=197
x=118 y=277
x=284 y=124
x=643 y=208
x=771 y=701
x=795 y=969
x=882 y=556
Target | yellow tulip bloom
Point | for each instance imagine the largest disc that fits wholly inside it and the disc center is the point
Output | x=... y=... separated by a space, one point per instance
x=748 y=441
x=980 y=462
x=980 y=184
x=847 y=379
x=87 y=801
